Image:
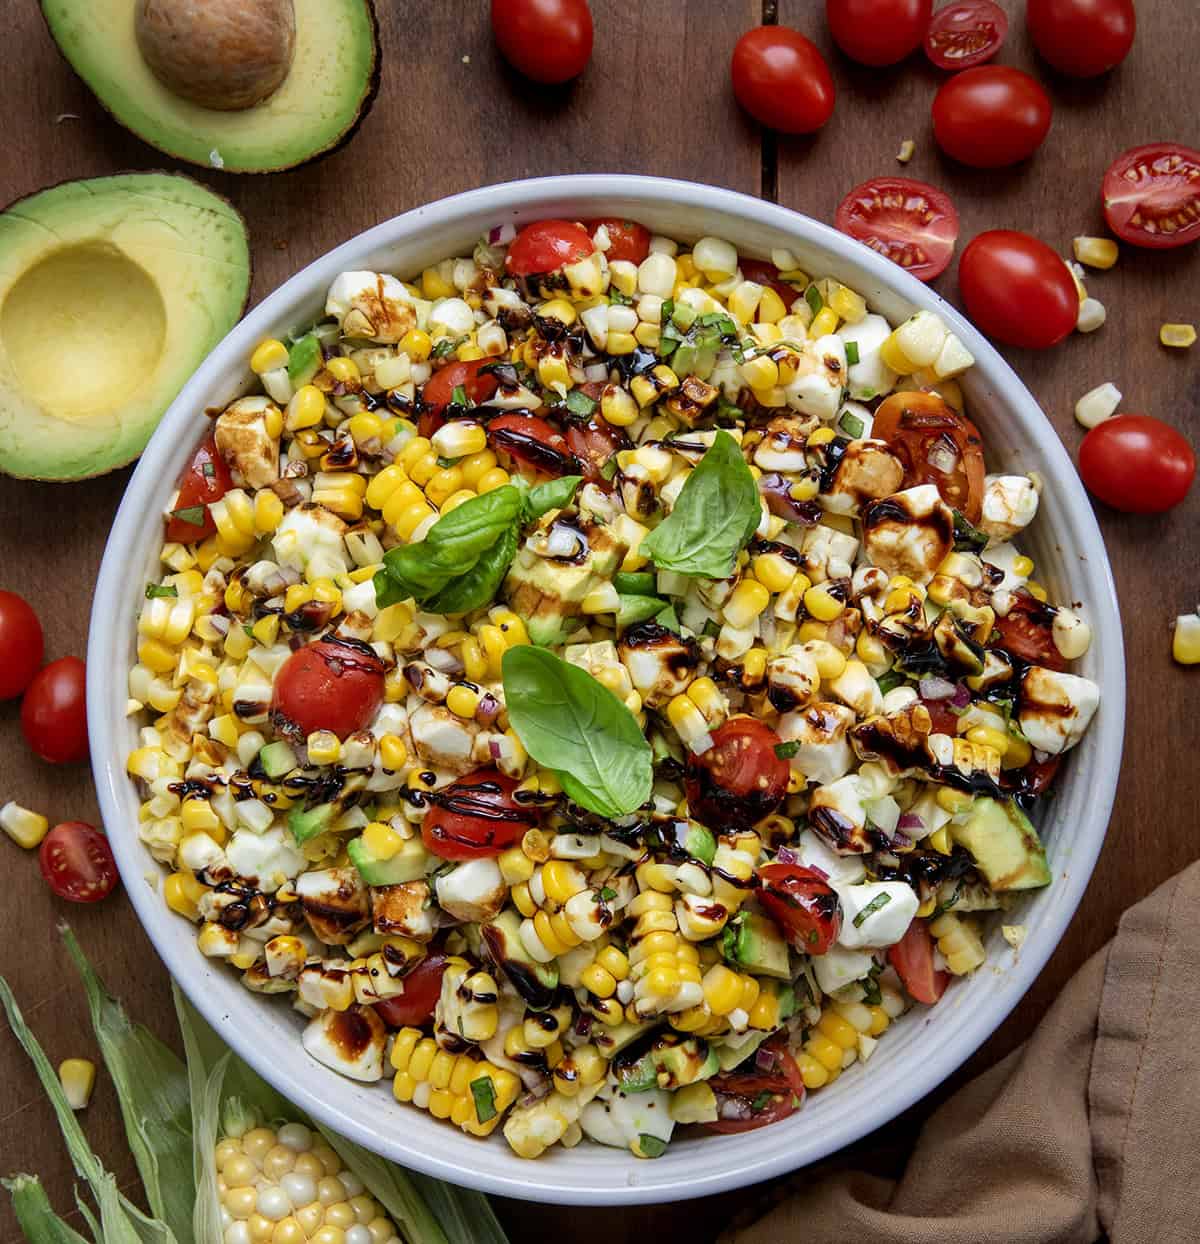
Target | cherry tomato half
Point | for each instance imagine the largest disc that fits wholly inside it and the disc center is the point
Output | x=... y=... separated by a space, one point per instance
x=438 y=391
x=54 y=712
x=1026 y=631
x=476 y=816
x=991 y=116
x=422 y=988
x=22 y=645
x=942 y=717
x=910 y=223
x=333 y=684
x=1082 y=38
x=1017 y=289
x=547 y=40
x=533 y=442
x=205 y=480
x=77 y=862
x=803 y=904
x=1137 y=463
x=764 y=273
x=1032 y=779
x=912 y=957
x=595 y=443
x=1152 y=196
x=965 y=33
x=628 y=240
x=937 y=446
x=747 y=1100
x=740 y=778
x=877 y=32
x=782 y=80
x=546 y=246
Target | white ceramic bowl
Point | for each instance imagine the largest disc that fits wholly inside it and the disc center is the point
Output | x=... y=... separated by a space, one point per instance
x=926 y=1045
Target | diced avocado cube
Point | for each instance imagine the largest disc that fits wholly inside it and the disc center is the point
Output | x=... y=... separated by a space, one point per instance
x=635 y=583
x=700 y=843
x=535 y=982
x=1005 y=846
x=308 y=823
x=304 y=360
x=277 y=759
x=410 y=863
x=731 y=1051
x=755 y=943
x=634 y=609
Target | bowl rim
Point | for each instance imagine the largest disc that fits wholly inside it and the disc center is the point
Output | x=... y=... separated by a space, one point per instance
x=109 y=637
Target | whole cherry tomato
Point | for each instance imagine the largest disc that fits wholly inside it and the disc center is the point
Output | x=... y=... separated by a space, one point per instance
x=206 y=479
x=54 y=712
x=782 y=80
x=912 y=224
x=803 y=904
x=1026 y=631
x=937 y=446
x=1082 y=38
x=912 y=957
x=965 y=33
x=534 y=442
x=740 y=778
x=438 y=391
x=547 y=40
x=476 y=816
x=991 y=116
x=546 y=246
x=1152 y=196
x=422 y=988
x=1137 y=463
x=22 y=645
x=333 y=684
x=877 y=32
x=1017 y=289
x=627 y=239
x=77 y=862
x=747 y=1100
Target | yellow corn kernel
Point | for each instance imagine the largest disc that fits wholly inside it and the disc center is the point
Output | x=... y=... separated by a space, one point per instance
x=1178 y=336
x=381 y=840
x=270 y=355
x=442 y=484
x=761 y=372
x=1017 y=754
x=814 y=1074
x=707 y=697
x=953 y=801
x=418 y=345
x=182 y=894
x=771 y=307
x=306 y=409
x=722 y=989
x=822 y=604
x=392 y=752
x=25 y=828
x=562 y=880
x=893 y=356
x=597 y=981
x=986 y=736
x=1185 y=643
x=515 y=866
x=746 y=602
x=197 y=814
x=324 y=748
x=848 y=305
x=618 y=407
x=830 y=662
x=1037 y=591
x=268 y=511
x=614 y=961
x=155 y=655
x=558 y=309
x=818 y=437
x=824 y=322
x=774 y=571
x=764 y=1012
x=77 y=1077
x=1095 y=252
x=462 y=701
x=343 y=370
x=296 y=596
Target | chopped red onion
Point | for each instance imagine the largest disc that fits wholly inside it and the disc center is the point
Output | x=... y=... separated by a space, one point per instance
x=489 y=708
x=495 y=748
x=541 y=1090
x=962 y=696
x=1040 y=756
x=901 y=839
x=702 y=744
x=734 y=1108
x=935 y=689
x=596 y=372
x=501 y=235
x=816 y=868
x=764 y=1059
x=911 y=820
x=942 y=455
x=785 y=855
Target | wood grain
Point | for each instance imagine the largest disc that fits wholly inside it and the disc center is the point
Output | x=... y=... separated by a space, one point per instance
x=451 y=116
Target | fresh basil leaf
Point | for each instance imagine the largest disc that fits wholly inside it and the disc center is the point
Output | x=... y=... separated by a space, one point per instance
x=578 y=402
x=785 y=751
x=967 y=537
x=554 y=494
x=154 y=590
x=890 y=680
x=878 y=902
x=715 y=515
x=480 y=584
x=572 y=724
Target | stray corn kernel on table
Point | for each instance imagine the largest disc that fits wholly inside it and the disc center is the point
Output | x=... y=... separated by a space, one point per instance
x=451 y=116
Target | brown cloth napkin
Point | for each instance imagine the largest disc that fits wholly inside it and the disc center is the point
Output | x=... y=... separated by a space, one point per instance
x=1091 y=1128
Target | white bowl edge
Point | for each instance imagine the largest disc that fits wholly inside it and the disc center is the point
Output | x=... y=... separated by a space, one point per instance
x=910 y=1062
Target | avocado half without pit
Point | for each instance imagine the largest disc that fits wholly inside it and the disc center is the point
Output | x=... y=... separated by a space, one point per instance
x=249 y=86
x=112 y=292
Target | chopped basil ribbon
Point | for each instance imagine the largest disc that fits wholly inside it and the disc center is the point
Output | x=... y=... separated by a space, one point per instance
x=878 y=902
x=851 y=352
x=852 y=425
x=785 y=751
x=967 y=537
x=484 y=1094
x=812 y=296
x=459 y=396
x=446 y=347
x=607 y=894
x=578 y=403
x=193 y=514
x=890 y=680
x=154 y=590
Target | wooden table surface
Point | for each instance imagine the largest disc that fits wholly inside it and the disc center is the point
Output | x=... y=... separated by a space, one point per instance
x=655 y=99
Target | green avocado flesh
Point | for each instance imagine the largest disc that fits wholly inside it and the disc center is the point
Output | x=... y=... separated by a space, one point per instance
x=328 y=87
x=1006 y=847
x=112 y=292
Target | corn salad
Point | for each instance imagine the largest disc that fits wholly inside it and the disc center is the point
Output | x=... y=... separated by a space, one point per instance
x=845 y=697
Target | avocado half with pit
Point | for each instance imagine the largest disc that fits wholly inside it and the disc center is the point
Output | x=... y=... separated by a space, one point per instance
x=112 y=292
x=248 y=86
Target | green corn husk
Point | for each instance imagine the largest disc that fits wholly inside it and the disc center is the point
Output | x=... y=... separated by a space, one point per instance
x=36 y=1219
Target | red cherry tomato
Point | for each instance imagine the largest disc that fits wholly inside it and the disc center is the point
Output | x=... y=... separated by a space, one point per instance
x=476 y=816
x=22 y=645
x=546 y=246
x=334 y=684
x=438 y=391
x=991 y=116
x=1017 y=289
x=1137 y=463
x=877 y=32
x=1033 y=778
x=1026 y=631
x=740 y=778
x=803 y=905
x=910 y=223
x=1082 y=38
x=782 y=80
x=206 y=479
x=54 y=713
x=77 y=862
x=747 y=1100
x=628 y=240
x=912 y=957
x=547 y=40
x=965 y=33
x=422 y=988
x=533 y=442
x=937 y=446
x=764 y=273
x=595 y=442
x=1152 y=196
